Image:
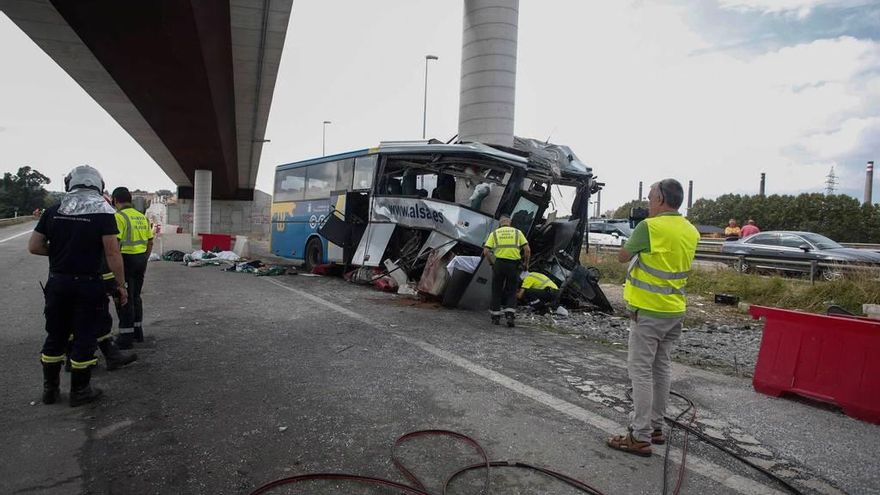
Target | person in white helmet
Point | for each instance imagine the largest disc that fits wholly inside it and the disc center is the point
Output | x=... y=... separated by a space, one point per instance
x=76 y=235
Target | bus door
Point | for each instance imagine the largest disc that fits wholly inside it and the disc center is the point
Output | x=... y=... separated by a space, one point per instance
x=345 y=226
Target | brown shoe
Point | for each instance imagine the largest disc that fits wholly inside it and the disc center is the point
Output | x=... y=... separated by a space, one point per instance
x=626 y=443
x=657 y=437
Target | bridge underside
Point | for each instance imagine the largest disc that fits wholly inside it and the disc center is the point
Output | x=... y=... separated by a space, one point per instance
x=191 y=81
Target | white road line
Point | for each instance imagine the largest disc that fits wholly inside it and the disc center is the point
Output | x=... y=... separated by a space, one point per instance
x=696 y=464
x=16 y=235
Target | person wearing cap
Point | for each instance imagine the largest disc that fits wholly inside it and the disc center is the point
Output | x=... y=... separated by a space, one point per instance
x=659 y=252
x=505 y=248
x=76 y=235
x=537 y=291
x=136 y=244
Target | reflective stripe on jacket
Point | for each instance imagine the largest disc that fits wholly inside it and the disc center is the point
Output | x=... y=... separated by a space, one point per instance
x=505 y=243
x=134 y=231
x=655 y=280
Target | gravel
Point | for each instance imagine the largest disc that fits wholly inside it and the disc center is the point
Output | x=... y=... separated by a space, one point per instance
x=727 y=346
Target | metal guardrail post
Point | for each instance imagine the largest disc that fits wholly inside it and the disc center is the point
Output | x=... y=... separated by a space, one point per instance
x=739 y=263
x=814 y=265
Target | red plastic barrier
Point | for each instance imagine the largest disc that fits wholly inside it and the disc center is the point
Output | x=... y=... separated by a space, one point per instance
x=220 y=241
x=829 y=358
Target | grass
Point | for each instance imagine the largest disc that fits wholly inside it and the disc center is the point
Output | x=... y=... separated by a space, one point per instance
x=849 y=292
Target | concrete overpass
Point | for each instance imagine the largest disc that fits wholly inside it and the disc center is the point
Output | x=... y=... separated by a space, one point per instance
x=190 y=80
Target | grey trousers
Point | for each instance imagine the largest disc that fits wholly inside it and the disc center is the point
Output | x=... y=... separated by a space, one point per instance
x=650 y=370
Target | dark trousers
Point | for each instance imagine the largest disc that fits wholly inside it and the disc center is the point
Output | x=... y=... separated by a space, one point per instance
x=73 y=304
x=105 y=325
x=132 y=314
x=505 y=282
x=539 y=299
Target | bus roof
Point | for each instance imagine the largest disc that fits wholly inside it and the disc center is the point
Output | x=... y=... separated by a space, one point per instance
x=328 y=158
x=542 y=159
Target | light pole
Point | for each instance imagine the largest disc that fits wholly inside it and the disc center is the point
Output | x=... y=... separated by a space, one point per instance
x=324 y=138
x=425 y=111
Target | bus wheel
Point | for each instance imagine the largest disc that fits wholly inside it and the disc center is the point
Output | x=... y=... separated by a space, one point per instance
x=314 y=254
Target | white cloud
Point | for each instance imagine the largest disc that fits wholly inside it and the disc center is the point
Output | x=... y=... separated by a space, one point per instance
x=799 y=8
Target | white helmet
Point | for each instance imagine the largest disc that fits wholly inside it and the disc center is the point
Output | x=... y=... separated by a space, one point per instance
x=84 y=176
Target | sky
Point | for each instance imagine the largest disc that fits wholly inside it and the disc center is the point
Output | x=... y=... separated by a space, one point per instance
x=714 y=91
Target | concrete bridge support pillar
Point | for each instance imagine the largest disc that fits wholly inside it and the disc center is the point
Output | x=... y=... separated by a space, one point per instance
x=202 y=202
x=488 y=71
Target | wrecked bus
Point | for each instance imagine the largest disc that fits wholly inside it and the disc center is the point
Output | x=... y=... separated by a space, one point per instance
x=417 y=208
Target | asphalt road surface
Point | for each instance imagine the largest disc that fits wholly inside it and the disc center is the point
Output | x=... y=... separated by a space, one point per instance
x=244 y=379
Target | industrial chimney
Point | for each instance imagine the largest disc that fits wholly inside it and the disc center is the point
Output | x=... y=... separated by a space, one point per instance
x=869 y=183
x=690 y=194
x=488 y=71
x=763 y=183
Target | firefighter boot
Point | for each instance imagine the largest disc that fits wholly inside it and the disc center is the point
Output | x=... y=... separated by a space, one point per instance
x=496 y=319
x=511 y=318
x=138 y=333
x=125 y=341
x=113 y=357
x=51 y=382
x=80 y=391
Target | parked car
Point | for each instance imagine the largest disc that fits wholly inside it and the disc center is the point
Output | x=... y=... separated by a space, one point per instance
x=805 y=246
x=608 y=232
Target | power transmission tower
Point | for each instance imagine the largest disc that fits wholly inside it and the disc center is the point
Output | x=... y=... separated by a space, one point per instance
x=830 y=182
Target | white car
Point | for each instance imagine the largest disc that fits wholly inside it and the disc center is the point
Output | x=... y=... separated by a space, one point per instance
x=605 y=233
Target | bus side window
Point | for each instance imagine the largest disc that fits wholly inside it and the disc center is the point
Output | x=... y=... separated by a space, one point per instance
x=320 y=179
x=364 y=170
x=290 y=185
x=344 y=175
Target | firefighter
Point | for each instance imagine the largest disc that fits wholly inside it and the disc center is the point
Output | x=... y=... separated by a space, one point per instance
x=136 y=244
x=502 y=249
x=76 y=234
x=537 y=291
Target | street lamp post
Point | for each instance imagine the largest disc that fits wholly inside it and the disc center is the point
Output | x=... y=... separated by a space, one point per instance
x=324 y=138
x=425 y=110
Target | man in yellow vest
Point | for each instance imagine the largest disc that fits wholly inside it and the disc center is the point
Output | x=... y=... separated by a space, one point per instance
x=135 y=243
x=502 y=249
x=537 y=291
x=659 y=252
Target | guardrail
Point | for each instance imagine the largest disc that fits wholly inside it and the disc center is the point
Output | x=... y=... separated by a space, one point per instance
x=717 y=243
x=15 y=221
x=828 y=270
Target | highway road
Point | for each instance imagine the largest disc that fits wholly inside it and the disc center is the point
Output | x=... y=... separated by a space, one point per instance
x=247 y=379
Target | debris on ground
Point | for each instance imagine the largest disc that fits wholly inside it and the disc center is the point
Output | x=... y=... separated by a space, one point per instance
x=230 y=262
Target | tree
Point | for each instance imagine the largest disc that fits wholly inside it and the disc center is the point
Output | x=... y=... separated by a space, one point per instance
x=837 y=216
x=624 y=210
x=164 y=193
x=22 y=192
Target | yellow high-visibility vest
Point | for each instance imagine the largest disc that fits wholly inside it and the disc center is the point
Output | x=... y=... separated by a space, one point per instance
x=655 y=280
x=536 y=280
x=134 y=231
x=505 y=243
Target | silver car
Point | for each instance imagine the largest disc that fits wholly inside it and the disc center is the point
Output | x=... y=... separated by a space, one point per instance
x=805 y=246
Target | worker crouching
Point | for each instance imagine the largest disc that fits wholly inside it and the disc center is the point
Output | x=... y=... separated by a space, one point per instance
x=538 y=292
x=506 y=249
